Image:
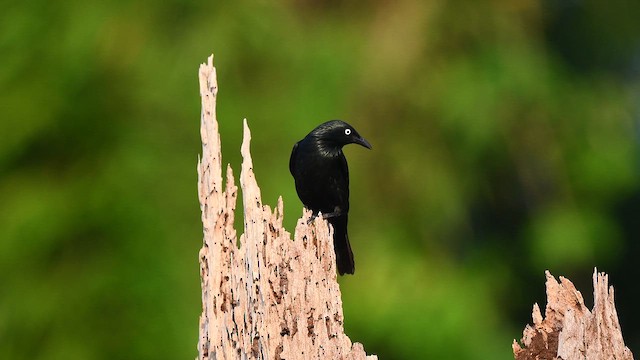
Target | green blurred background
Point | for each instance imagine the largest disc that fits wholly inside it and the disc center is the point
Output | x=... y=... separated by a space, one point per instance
x=505 y=142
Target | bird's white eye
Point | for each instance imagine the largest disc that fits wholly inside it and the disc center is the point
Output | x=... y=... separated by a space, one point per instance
x=347 y=131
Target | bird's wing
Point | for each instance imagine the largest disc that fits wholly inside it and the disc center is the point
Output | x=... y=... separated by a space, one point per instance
x=292 y=158
x=344 y=169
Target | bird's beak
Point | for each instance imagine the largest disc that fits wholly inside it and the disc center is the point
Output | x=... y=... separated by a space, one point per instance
x=363 y=142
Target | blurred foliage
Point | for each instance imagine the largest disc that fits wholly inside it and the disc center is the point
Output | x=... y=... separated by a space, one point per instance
x=505 y=142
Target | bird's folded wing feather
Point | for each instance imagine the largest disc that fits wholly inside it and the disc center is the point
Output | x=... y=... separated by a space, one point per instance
x=344 y=194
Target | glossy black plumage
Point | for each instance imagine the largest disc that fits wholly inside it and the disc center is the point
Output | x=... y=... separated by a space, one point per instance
x=320 y=171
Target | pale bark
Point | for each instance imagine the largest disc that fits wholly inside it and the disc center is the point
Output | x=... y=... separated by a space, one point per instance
x=569 y=331
x=272 y=297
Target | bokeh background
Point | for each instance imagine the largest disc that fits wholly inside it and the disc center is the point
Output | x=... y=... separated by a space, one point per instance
x=505 y=142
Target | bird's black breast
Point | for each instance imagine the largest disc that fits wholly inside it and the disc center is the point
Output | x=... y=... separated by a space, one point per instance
x=322 y=179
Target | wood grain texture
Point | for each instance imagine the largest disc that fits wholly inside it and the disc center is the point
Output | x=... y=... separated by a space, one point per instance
x=569 y=331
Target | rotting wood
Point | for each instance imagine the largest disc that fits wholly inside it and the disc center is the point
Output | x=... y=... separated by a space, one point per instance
x=569 y=331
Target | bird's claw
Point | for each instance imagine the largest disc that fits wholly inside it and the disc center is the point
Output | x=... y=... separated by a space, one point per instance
x=324 y=216
x=312 y=218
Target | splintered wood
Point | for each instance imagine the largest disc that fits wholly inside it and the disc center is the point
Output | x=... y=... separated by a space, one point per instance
x=569 y=331
x=271 y=297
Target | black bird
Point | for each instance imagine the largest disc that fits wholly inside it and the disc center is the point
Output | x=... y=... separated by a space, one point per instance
x=320 y=171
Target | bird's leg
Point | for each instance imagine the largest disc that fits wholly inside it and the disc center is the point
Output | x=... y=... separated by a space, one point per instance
x=331 y=214
x=313 y=217
x=335 y=213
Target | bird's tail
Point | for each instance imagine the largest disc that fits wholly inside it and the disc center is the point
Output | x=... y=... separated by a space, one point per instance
x=344 y=255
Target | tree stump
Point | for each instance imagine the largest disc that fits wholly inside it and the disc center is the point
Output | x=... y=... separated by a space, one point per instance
x=271 y=297
x=569 y=331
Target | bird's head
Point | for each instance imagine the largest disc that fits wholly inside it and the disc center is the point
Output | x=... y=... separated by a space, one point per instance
x=337 y=133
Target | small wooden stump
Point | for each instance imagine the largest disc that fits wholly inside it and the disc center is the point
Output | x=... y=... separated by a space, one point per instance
x=569 y=331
